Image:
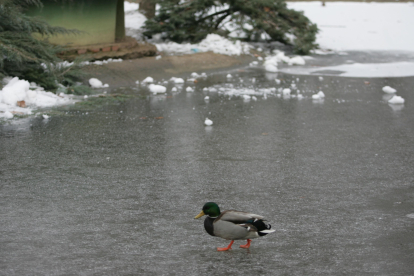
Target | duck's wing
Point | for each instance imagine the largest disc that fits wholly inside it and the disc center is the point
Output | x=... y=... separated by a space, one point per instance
x=236 y=225
x=238 y=217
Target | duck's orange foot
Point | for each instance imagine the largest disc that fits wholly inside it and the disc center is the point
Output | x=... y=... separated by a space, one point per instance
x=225 y=248
x=247 y=245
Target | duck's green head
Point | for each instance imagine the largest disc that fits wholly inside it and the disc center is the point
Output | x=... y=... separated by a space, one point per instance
x=211 y=209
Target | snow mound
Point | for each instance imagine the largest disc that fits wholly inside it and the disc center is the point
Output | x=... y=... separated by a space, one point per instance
x=212 y=43
x=21 y=97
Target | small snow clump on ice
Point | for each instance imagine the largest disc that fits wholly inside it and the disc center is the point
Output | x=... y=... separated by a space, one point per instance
x=396 y=100
x=246 y=97
x=177 y=80
x=297 y=61
x=148 y=80
x=95 y=83
x=155 y=88
x=389 y=89
x=286 y=92
x=319 y=95
x=271 y=68
x=208 y=122
x=189 y=89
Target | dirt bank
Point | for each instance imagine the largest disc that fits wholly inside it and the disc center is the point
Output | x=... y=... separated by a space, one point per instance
x=127 y=72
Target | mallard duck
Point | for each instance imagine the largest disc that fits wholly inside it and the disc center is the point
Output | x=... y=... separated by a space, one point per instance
x=233 y=225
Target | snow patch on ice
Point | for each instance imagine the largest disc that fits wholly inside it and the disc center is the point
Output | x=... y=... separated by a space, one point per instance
x=358 y=70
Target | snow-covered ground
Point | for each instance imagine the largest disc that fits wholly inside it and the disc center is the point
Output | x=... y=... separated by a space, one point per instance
x=348 y=26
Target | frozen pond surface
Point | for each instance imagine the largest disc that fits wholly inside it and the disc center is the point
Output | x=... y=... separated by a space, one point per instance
x=114 y=191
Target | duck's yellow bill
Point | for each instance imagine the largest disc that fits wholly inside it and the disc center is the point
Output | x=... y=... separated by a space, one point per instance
x=200 y=215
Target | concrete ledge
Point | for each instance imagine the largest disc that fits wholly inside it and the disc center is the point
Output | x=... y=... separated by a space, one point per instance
x=129 y=48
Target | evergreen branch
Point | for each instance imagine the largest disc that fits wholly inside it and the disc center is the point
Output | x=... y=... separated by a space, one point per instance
x=214 y=14
x=221 y=20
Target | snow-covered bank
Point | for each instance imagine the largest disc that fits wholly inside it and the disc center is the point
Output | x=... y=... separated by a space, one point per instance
x=343 y=26
x=212 y=42
x=359 y=70
x=21 y=97
x=361 y=26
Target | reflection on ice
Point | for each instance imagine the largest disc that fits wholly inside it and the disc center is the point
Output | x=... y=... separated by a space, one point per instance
x=396 y=107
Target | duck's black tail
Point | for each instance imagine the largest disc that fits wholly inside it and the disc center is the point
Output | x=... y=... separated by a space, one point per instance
x=262 y=227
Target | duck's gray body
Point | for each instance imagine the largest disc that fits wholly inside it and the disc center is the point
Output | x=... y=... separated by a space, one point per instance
x=236 y=225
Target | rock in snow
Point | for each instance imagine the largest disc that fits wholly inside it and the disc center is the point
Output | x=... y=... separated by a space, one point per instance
x=208 y=122
x=396 y=100
x=388 y=89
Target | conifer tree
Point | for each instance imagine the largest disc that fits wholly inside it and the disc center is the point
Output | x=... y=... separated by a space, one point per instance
x=26 y=57
x=193 y=20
